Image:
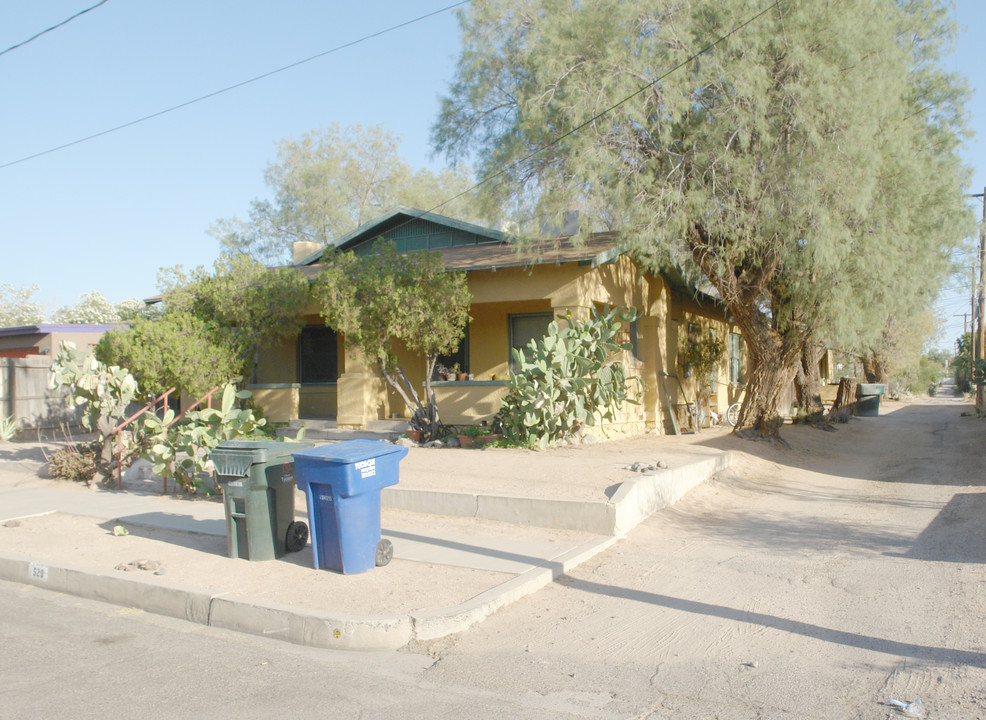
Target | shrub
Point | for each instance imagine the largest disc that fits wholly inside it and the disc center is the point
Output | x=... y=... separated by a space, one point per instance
x=571 y=378
x=182 y=450
x=75 y=462
x=104 y=393
x=9 y=427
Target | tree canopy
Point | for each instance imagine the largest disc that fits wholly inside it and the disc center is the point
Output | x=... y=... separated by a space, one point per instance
x=211 y=327
x=17 y=306
x=331 y=181
x=802 y=157
x=94 y=308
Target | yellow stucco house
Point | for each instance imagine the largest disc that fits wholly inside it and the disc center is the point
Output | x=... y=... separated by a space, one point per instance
x=514 y=297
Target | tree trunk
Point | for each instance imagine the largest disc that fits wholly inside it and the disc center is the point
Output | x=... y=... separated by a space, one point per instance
x=749 y=294
x=425 y=417
x=875 y=368
x=807 y=382
x=845 y=401
x=760 y=415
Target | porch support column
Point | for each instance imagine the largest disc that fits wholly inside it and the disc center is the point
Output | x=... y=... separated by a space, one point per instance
x=579 y=312
x=361 y=394
x=362 y=398
x=651 y=355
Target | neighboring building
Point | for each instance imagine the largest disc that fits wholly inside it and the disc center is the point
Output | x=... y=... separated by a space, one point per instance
x=25 y=370
x=46 y=339
x=514 y=299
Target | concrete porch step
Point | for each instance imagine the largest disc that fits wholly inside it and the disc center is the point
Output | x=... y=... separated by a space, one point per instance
x=326 y=429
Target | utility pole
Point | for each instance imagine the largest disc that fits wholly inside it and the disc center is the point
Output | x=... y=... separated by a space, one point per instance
x=979 y=345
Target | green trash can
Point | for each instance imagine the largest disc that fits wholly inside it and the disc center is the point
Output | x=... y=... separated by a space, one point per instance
x=258 y=482
x=868 y=399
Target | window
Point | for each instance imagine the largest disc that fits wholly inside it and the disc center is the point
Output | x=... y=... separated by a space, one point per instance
x=318 y=355
x=735 y=359
x=629 y=334
x=524 y=328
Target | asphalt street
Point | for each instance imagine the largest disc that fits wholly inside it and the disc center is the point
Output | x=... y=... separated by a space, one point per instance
x=818 y=582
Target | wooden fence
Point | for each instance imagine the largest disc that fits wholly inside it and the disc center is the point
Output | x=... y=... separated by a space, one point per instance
x=25 y=395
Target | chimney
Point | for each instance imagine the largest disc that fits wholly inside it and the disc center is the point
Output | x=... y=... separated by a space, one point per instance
x=568 y=226
x=300 y=249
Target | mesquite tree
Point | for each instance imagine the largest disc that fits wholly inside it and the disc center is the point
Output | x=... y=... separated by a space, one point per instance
x=750 y=142
x=331 y=180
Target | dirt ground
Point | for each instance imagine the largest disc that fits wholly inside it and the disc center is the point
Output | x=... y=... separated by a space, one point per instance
x=817 y=580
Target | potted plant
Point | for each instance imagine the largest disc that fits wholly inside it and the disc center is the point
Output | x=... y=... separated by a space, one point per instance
x=469 y=434
x=457 y=371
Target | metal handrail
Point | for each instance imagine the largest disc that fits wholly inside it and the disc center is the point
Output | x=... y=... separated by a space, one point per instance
x=118 y=431
x=207 y=398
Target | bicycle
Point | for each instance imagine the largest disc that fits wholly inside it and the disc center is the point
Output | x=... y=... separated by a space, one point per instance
x=730 y=417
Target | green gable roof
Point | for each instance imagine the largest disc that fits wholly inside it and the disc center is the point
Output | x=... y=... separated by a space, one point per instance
x=409 y=230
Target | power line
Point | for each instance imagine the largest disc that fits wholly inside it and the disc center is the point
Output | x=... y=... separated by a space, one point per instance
x=53 y=27
x=537 y=151
x=774 y=4
x=235 y=86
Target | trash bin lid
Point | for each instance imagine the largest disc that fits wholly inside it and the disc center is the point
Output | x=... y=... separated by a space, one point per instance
x=258 y=451
x=350 y=451
x=870 y=389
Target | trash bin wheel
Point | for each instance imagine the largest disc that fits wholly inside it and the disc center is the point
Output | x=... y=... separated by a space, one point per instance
x=297 y=536
x=385 y=552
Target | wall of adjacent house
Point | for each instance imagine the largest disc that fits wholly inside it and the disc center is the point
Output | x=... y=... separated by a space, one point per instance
x=555 y=289
x=47 y=343
x=277 y=390
x=361 y=396
x=489 y=335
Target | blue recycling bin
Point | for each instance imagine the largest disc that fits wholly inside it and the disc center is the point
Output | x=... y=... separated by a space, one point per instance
x=342 y=483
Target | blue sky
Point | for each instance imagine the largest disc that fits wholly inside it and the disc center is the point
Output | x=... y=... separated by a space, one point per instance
x=108 y=213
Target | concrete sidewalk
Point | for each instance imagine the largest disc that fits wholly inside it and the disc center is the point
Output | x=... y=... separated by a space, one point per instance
x=494 y=549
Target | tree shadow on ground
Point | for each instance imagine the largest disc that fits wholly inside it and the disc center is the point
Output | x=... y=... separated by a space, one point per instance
x=923 y=443
x=957 y=534
x=926 y=653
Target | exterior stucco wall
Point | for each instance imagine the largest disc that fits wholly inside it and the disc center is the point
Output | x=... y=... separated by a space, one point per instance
x=361 y=396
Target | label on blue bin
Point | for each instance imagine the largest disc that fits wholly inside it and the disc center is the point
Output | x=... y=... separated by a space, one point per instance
x=367 y=468
x=325 y=498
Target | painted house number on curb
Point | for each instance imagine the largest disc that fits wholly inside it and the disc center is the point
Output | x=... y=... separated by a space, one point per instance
x=367 y=468
x=38 y=572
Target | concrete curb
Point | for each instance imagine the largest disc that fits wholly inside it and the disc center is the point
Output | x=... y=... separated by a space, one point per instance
x=638 y=499
x=434 y=624
x=635 y=500
x=296 y=625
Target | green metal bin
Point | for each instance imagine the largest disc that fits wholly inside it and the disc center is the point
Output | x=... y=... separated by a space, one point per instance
x=868 y=399
x=258 y=482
